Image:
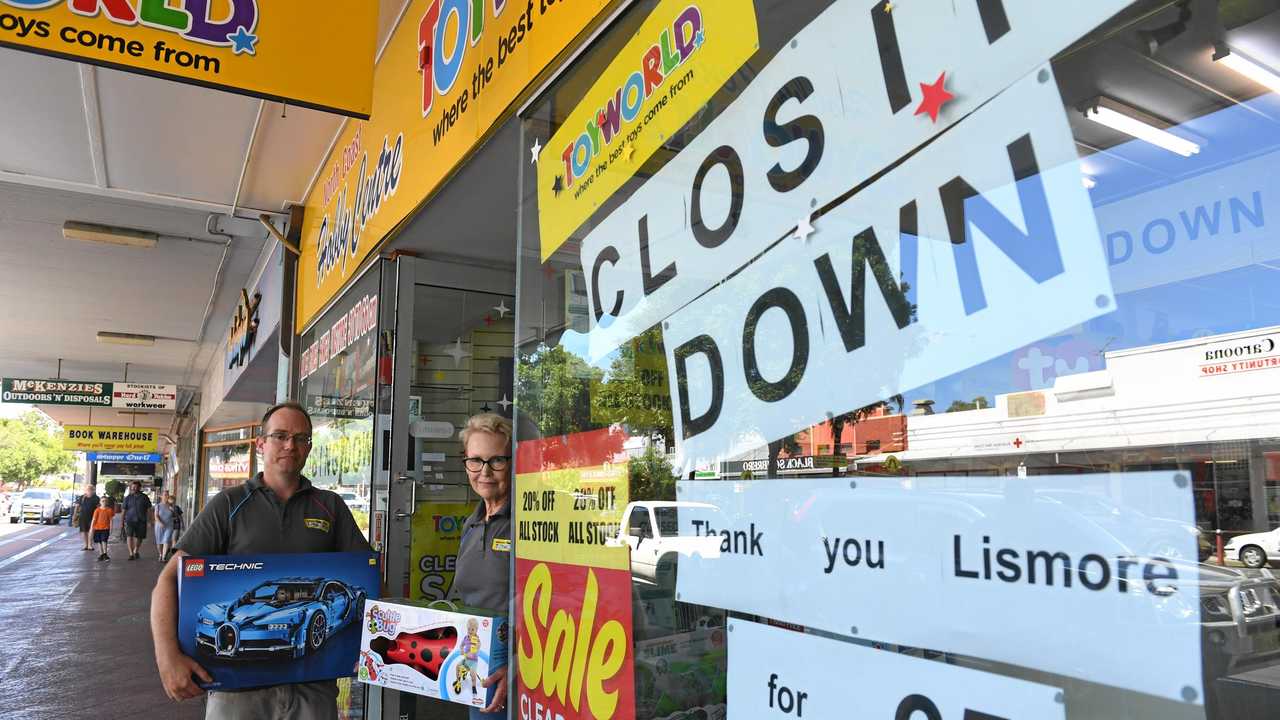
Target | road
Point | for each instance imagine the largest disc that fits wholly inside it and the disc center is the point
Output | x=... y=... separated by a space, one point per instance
x=74 y=632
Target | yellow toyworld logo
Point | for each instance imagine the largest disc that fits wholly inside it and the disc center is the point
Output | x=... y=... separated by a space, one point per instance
x=316 y=524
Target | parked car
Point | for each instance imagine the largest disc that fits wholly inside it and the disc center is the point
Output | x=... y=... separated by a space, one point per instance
x=354 y=501
x=68 y=502
x=289 y=615
x=652 y=530
x=1255 y=550
x=40 y=504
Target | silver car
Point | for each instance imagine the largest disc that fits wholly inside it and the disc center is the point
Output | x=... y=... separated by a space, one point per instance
x=43 y=505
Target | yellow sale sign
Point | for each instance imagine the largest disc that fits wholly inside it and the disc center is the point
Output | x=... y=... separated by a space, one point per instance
x=672 y=65
x=92 y=438
x=310 y=54
x=572 y=515
x=451 y=69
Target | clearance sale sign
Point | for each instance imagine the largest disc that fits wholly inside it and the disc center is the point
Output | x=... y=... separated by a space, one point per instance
x=573 y=586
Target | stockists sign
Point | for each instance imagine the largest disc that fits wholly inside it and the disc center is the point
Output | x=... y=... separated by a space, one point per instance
x=294 y=51
x=828 y=556
x=121 y=396
x=112 y=439
x=449 y=71
x=57 y=392
x=672 y=65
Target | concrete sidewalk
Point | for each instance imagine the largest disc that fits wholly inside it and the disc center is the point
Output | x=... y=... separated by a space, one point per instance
x=75 y=640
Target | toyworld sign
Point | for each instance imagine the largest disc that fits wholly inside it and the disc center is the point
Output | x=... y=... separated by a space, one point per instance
x=271 y=50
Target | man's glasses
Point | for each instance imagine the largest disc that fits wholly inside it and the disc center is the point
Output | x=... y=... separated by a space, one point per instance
x=281 y=437
x=497 y=462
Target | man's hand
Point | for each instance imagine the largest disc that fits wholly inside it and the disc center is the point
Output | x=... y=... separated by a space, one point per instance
x=176 y=670
x=497 y=677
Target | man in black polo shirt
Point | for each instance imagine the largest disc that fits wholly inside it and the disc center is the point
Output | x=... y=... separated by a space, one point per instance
x=276 y=512
x=137 y=515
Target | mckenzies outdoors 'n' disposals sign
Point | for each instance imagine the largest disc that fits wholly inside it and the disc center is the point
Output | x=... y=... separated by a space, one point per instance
x=772 y=674
x=1011 y=574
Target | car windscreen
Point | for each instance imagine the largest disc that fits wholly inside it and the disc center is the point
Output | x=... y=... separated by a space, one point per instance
x=38 y=495
x=277 y=593
x=668 y=521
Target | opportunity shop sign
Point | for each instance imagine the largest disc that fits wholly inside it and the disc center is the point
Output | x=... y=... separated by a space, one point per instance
x=310 y=54
x=451 y=69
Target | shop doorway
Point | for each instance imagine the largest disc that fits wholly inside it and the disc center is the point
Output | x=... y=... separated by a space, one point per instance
x=454 y=357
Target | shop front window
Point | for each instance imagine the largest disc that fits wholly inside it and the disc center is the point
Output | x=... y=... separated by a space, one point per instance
x=229 y=459
x=939 y=340
x=339 y=369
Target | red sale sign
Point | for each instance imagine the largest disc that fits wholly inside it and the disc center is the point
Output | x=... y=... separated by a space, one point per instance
x=574 y=642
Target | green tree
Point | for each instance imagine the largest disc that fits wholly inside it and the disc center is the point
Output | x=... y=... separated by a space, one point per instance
x=651 y=477
x=555 y=390
x=977 y=403
x=30 y=448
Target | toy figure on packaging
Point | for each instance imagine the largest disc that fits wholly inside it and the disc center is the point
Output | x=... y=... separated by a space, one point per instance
x=470 y=654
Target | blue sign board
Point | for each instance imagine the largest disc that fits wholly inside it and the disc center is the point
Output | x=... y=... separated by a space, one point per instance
x=124 y=457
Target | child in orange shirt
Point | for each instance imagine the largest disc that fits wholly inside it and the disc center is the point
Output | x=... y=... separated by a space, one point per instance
x=102 y=526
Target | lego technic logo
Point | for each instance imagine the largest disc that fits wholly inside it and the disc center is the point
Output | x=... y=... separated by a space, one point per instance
x=193 y=568
x=383 y=621
x=201 y=21
x=229 y=566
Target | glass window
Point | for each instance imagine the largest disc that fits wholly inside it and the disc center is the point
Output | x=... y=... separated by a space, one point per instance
x=1011 y=261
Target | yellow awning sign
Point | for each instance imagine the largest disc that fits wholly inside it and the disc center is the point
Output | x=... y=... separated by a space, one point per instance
x=310 y=54
x=673 y=64
x=451 y=70
x=92 y=438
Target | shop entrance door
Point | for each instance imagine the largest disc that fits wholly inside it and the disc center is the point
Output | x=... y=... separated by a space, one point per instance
x=453 y=358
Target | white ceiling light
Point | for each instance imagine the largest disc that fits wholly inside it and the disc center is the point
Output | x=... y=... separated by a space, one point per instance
x=1248 y=67
x=88 y=232
x=117 y=338
x=1132 y=121
x=1088 y=182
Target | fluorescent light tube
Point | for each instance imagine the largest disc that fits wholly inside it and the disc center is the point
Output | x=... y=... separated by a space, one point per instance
x=1134 y=122
x=116 y=338
x=88 y=232
x=1248 y=67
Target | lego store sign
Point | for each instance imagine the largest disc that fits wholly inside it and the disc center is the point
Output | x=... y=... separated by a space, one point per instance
x=272 y=50
x=450 y=71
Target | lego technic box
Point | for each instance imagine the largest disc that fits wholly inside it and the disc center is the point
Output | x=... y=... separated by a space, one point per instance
x=432 y=651
x=254 y=620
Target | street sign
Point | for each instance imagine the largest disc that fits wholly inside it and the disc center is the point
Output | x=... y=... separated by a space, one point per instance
x=124 y=457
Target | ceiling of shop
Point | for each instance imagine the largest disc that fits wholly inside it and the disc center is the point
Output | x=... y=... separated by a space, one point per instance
x=101 y=146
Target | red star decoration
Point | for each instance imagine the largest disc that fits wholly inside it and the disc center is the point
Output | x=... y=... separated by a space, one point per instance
x=1017 y=442
x=548 y=270
x=488 y=319
x=935 y=96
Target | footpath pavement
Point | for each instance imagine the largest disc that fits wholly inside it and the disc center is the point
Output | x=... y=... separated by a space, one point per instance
x=75 y=639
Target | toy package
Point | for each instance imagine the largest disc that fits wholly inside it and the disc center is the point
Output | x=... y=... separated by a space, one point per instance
x=255 y=620
x=428 y=650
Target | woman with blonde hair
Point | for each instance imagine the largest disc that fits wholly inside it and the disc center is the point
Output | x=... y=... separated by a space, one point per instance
x=484 y=555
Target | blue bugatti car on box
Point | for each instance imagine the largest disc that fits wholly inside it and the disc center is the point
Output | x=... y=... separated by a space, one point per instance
x=290 y=615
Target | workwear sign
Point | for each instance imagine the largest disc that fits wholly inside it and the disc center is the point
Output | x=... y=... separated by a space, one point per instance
x=451 y=69
x=310 y=54
x=97 y=438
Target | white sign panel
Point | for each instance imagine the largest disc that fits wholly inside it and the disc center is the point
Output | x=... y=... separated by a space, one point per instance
x=1210 y=223
x=773 y=674
x=982 y=242
x=1031 y=575
x=140 y=396
x=840 y=103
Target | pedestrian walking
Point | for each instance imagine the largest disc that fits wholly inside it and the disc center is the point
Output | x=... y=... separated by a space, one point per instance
x=277 y=511
x=166 y=514
x=102 y=526
x=82 y=515
x=137 y=515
